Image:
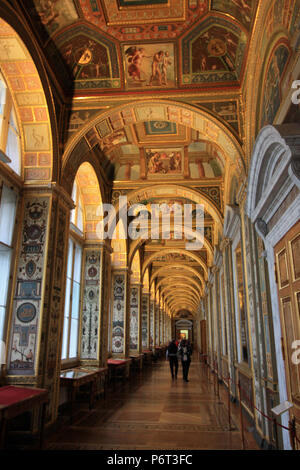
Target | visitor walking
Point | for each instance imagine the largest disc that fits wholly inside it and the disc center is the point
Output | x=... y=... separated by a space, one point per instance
x=172 y=350
x=185 y=352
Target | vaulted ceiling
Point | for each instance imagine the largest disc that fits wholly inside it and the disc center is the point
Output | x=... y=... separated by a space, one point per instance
x=155 y=88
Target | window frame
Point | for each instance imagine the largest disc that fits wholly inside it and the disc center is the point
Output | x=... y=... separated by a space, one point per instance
x=73 y=361
x=5 y=125
x=4 y=334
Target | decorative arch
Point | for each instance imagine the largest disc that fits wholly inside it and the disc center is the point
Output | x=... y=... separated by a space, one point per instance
x=119 y=247
x=88 y=185
x=31 y=99
x=183 y=288
x=135 y=268
x=275 y=159
x=187 y=253
x=209 y=127
x=164 y=270
x=181 y=280
x=81 y=155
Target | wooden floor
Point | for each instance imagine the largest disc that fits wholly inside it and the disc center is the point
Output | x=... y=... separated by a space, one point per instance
x=152 y=411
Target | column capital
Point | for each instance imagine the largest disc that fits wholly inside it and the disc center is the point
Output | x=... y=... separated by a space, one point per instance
x=54 y=188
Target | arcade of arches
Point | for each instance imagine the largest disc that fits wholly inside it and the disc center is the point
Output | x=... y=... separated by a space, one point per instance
x=164 y=102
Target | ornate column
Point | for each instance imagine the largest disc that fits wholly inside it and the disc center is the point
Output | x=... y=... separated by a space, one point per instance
x=95 y=304
x=145 y=319
x=226 y=246
x=135 y=318
x=120 y=329
x=157 y=315
x=151 y=322
x=36 y=311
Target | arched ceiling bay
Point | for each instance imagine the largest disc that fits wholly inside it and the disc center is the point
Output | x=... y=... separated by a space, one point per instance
x=154 y=89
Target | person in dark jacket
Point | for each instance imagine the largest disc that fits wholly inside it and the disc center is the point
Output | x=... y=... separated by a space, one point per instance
x=172 y=356
x=185 y=352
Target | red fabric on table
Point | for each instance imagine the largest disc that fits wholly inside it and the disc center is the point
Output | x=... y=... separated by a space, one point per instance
x=10 y=395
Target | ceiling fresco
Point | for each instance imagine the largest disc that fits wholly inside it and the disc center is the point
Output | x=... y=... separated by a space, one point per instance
x=155 y=90
x=112 y=45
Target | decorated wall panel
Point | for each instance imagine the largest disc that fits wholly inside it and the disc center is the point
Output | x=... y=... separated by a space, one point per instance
x=134 y=318
x=151 y=320
x=145 y=317
x=51 y=337
x=118 y=313
x=27 y=304
x=90 y=305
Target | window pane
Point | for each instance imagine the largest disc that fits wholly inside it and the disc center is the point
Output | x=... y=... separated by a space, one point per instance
x=12 y=146
x=77 y=263
x=80 y=219
x=65 y=339
x=2 y=95
x=5 y=259
x=75 y=300
x=74 y=196
x=2 y=317
x=7 y=214
x=67 y=298
x=73 y=338
x=70 y=259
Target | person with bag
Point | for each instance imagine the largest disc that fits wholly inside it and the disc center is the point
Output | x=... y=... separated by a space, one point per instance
x=185 y=352
x=172 y=356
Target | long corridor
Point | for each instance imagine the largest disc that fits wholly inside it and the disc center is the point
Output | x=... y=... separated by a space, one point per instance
x=152 y=411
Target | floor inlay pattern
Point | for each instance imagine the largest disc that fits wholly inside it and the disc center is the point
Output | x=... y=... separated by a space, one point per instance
x=152 y=411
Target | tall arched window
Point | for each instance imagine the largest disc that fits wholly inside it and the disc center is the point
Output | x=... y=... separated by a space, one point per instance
x=11 y=156
x=73 y=284
x=10 y=148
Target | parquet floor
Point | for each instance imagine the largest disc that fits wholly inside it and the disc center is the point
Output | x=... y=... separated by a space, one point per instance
x=153 y=412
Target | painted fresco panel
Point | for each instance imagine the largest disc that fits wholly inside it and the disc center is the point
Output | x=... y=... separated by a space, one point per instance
x=55 y=15
x=242 y=10
x=28 y=294
x=151 y=322
x=118 y=313
x=134 y=318
x=164 y=162
x=272 y=93
x=90 y=306
x=145 y=312
x=149 y=65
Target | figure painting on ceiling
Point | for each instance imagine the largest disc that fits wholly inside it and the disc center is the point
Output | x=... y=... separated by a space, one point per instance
x=86 y=58
x=149 y=65
x=215 y=50
x=164 y=162
x=55 y=14
x=242 y=10
x=272 y=95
